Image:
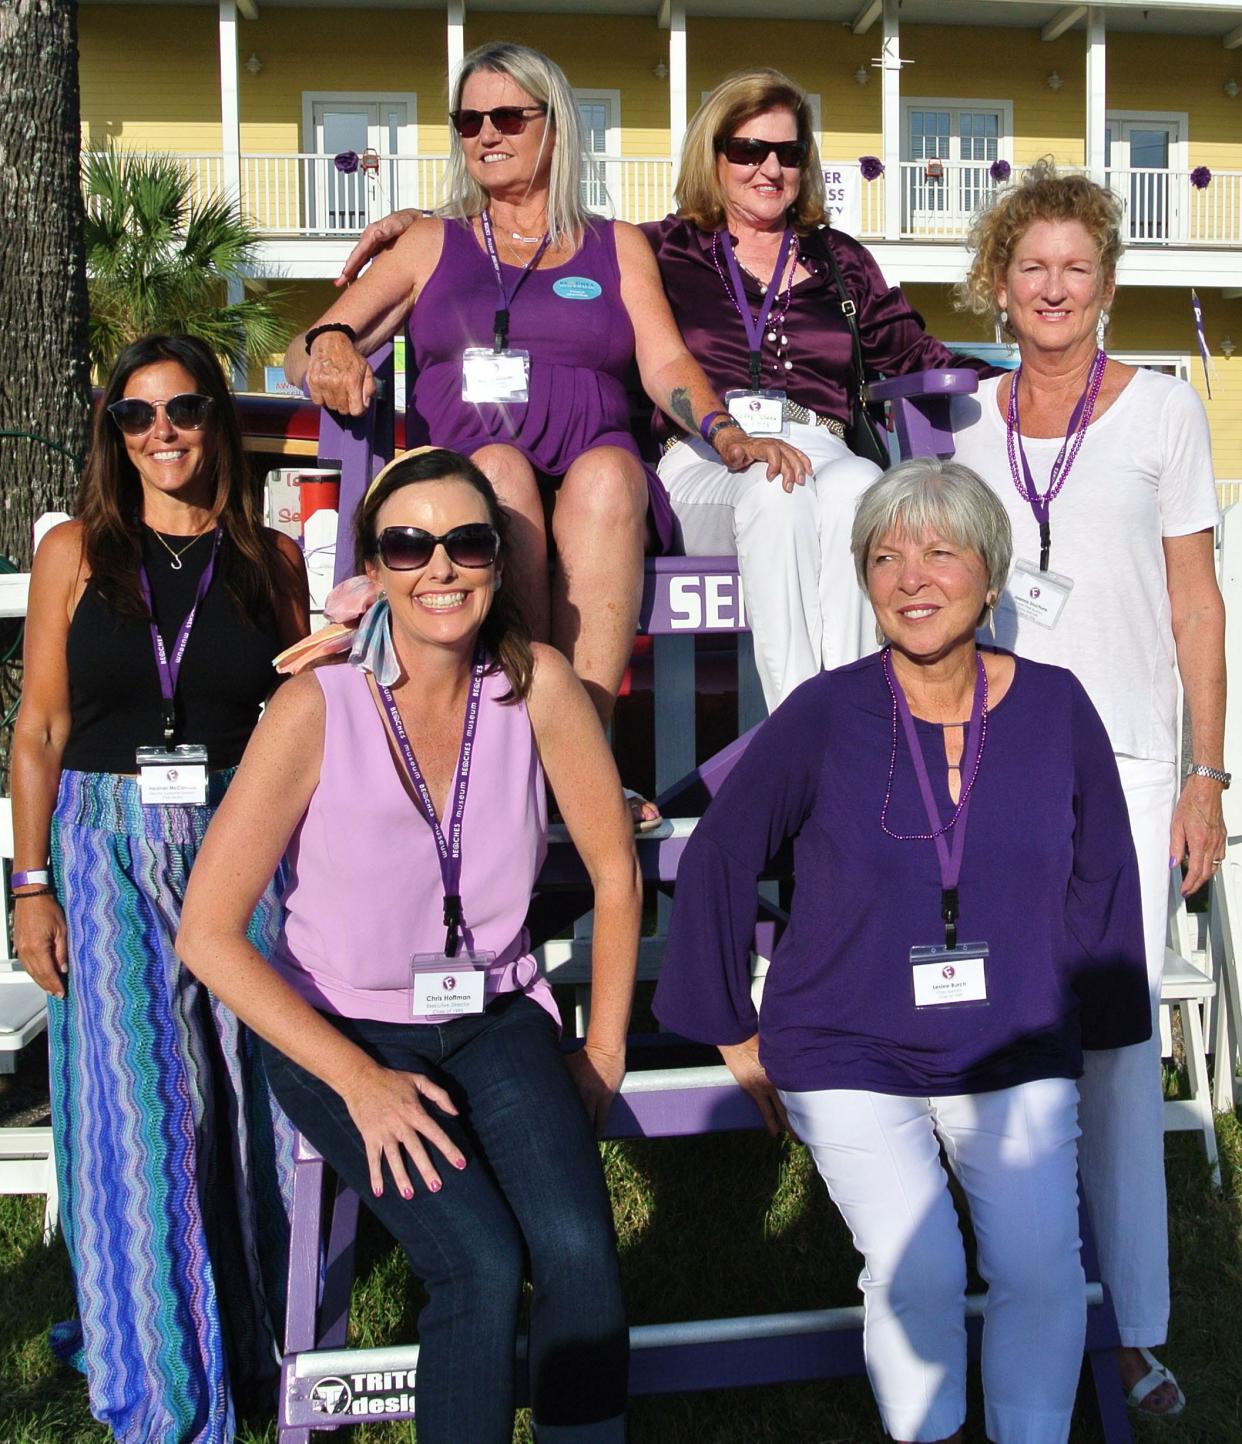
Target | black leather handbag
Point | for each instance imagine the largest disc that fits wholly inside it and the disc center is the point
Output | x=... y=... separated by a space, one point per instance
x=860 y=433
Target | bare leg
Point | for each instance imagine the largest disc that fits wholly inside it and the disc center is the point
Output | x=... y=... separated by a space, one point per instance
x=527 y=561
x=599 y=523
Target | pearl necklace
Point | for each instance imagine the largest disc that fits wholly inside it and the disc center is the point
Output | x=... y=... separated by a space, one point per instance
x=776 y=323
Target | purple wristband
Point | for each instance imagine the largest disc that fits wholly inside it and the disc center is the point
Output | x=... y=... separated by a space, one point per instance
x=35 y=874
x=706 y=423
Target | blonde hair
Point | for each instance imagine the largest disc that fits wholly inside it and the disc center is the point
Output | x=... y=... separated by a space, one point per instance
x=1041 y=195
x=699 y=194
x=544 y=81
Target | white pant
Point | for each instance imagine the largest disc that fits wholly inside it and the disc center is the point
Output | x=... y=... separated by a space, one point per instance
x=1014 y=1153
x=1122 y=1101
x=805 y=606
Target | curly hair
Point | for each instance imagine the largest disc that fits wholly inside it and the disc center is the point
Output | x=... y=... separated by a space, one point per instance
x=1041 y=195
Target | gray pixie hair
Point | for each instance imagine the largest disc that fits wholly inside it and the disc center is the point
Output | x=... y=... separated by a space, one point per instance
x=544 y=81
x=926 y=494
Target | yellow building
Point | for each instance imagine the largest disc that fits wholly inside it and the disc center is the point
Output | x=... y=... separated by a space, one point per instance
x=259 y=97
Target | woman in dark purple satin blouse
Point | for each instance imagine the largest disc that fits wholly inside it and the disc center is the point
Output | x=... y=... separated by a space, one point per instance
x=965 y=921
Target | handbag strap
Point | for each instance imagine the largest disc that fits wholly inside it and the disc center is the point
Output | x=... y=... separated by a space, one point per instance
x=850 y=311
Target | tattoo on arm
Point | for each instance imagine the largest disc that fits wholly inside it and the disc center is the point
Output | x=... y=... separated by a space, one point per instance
x=680 y=408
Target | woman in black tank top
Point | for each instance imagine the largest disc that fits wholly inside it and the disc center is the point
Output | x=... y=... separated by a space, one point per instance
x=152 y=621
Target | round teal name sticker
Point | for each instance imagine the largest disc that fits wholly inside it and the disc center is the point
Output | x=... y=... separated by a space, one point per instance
x=577 y=288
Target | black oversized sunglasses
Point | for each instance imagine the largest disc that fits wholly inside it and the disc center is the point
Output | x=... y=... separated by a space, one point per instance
x=750 y=150
x=407 y=548
x=508 y=119
x=187 y=412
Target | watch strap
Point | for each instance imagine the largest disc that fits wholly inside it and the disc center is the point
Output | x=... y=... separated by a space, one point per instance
x=1201 y=769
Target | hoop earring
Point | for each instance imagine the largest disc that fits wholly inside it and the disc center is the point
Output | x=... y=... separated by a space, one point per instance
x=1100 y=327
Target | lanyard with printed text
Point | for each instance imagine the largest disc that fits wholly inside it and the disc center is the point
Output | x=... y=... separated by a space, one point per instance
x=754 y=325
x=449 y=849
x=169 y=665
x=500 y=322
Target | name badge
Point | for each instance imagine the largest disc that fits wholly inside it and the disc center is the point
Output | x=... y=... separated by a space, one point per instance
x=949 y=975
x=179 y=775
x=444 y=987
x=1037 y=596
x=758 y=413
x=488 y=375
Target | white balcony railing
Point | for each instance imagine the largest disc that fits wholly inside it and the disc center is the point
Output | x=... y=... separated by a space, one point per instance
x=306 y=195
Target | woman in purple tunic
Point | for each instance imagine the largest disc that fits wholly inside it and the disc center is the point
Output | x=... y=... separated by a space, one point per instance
x=966 y=920
x=524 y=312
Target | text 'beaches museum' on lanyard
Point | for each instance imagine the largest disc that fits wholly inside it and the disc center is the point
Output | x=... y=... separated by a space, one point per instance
x=501 y=374
x=168 y=773
x=758 y=411
x=950 y=974
x=1039 y=595
x=452 y=982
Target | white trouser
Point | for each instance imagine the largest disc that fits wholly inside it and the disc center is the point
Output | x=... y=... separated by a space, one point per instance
x=1014 y=1152
x=1122 y=1101
x=805 y=606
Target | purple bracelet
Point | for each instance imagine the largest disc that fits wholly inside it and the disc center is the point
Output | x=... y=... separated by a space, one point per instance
x=35 y=874
x=705 y=424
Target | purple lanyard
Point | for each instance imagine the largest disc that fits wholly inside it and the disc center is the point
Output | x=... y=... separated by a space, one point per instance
x=948 y=856
x=169 y=667
x=754 y=326
x=1041 y=505
x=448 y=848
x=500 y=321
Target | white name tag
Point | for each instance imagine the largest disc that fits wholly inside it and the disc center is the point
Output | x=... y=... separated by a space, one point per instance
x=444 y=987
x=488 y=375
x=949 y=975
x=179 y=775
x=758 y=413
x=1037 y=596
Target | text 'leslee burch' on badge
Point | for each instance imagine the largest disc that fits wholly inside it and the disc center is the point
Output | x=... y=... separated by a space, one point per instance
x=949 y=975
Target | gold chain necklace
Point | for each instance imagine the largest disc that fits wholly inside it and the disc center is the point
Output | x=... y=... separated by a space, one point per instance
x=175 y=564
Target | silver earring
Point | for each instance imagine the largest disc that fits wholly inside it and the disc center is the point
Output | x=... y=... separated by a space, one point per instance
x=1100 y=327
x=1002 y=320
x=991 y=621
x=880 y=639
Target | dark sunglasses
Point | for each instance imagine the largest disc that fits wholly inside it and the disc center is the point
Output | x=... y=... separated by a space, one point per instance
x=187 y=412
x=750 y=150
x=407 y=548
x=508 y=119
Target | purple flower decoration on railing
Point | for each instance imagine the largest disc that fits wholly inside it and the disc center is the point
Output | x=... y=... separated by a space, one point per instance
x=1200 y=177
x=872 y=167
x=1000 y=171
x=346 y=162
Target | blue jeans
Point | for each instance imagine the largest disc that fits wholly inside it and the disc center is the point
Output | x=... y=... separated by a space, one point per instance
x=532 y=1192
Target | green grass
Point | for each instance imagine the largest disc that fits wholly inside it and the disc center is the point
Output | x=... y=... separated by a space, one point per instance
x=708 y=1226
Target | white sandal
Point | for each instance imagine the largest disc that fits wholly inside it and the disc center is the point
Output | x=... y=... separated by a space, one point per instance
x=1157 y=1374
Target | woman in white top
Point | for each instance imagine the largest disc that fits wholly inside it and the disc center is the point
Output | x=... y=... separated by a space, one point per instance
x=1106 y=472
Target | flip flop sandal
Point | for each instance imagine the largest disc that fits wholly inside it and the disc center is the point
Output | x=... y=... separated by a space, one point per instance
x=1157 y=1374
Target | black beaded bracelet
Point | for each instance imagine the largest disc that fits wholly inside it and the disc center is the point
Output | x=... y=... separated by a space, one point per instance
x=34 y=892
x=316 y=331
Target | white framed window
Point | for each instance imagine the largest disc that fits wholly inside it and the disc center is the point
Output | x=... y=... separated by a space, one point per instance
x=382 y=122
x=1168 y=363
x=599 y=112
x=948 y=147
x=1142 y=151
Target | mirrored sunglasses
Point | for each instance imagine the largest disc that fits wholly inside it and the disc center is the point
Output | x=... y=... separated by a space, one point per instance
x=406 y=548
x=187 y=412
x=750 y=150
x=508 y=119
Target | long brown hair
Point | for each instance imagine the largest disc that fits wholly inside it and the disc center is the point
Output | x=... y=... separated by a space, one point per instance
x=109 y=502
x=504 y=633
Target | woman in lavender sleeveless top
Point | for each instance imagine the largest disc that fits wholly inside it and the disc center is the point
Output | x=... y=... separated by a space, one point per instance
x=515 y=267
x=407 y=1031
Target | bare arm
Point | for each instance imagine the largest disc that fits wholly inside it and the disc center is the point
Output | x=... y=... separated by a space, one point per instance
x=583 y=775
x=243 y=846
x=335 y=371
x=39 y=737
x=1197 y=614
x=292 y=600
x=674 y=379
x=377 y=236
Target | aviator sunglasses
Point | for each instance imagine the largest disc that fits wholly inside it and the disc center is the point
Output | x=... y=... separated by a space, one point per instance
x=187 y=412
x=750 y=150
x=406 y=548
x=508 y=119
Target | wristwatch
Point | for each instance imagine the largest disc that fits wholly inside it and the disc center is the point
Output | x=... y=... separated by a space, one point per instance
x=1201 y=769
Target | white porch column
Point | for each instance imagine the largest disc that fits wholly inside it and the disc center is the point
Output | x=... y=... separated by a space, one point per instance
x=1096 y=101
x=890 y=120
x=673 y=18
x=456 y=39
x=230 y=136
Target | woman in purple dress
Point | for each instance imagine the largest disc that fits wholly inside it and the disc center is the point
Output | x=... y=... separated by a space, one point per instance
x=525 y=314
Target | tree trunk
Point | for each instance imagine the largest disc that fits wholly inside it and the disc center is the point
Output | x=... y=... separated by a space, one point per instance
x=45 y=382
x=45 y=378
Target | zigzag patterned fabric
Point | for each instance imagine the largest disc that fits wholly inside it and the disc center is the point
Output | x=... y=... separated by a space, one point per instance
x=173 y=1162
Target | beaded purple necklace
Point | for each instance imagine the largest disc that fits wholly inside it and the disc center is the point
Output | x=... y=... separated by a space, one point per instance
x=776 y=323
